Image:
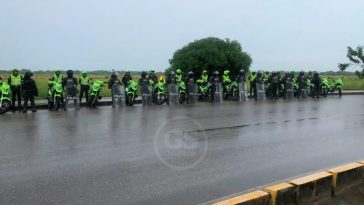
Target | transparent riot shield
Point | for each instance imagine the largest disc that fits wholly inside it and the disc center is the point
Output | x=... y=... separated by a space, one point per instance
x=290 y=91
x=147 y=95
x=243 y=96
x=304 y=93
x=218 y=92
x=173 y=95
x=192 y=92
x=260 y=91
x=118 y=95
x=71 y=99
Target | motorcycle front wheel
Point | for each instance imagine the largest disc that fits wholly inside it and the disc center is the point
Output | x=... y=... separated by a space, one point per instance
x=182 y=97
x=91 y=101
x=5 y=106
x=130 y=99
x=57 y=103
x=50 y=105
x=161 y=99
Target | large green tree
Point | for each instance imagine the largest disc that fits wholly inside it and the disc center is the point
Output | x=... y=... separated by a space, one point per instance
x=211 y=54
x=356 y=57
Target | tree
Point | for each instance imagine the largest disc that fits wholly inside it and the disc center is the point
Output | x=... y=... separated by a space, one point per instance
x=211 y=54
x=356 y=57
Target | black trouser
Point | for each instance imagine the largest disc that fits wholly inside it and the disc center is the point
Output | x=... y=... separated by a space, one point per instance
x=255 y=91
x=285 y=92
x=299 y=91
x=212 y=93
x=316 y=90
x=274 y=89
x=15 y=93
x=84 y=89
x=252 y=87
x=29 y=97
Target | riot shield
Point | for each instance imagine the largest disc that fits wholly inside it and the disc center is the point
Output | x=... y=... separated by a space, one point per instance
x=243 y=96
x=260 y=91
x=147 y=95
x=192 y=92
x=304 y=93
x=173 y=95
x=217 y=92
x=71 y=98
x=118 y=95
x=290 y=91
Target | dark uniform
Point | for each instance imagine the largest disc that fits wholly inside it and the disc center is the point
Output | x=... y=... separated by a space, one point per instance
x=126 y=78
x=259 y=79
x=301 y=80
x=214 y=80
x=29 y=89
x=316 y=80
x=274 y=81
x=70 y=83
x=143 y=79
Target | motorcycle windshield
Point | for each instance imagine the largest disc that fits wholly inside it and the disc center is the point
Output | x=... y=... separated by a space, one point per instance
x=96 y=87
x=5 y=89
x=58 y=88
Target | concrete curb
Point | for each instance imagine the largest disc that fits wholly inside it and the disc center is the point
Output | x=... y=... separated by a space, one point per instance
x=334 y=186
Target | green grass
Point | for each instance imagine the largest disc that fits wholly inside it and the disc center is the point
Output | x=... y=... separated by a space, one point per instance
x=350 y=83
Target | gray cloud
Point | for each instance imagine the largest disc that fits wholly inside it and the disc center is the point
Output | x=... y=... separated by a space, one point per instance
x=125 y=34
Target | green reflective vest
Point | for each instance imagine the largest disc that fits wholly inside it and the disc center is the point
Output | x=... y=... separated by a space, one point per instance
x=58 y=79
x=178 y=78
x=252 y=77
x=85 y=80
x=15 y=80
x=226 y=79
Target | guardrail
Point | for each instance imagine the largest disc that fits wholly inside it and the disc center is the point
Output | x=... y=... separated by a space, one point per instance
x=339 y=185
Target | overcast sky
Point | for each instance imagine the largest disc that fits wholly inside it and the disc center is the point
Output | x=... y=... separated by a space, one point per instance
x=137 y=35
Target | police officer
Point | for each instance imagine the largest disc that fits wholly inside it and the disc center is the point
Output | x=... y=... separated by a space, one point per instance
x=143 y=79
x=84 y=81
x=241 y=76
x=126 y=78
x=179 y=77
x=1 y=84
x=214 y=80
x=274 y=81
x=29 y=90
x=191 y=86
x=152 y=77
x=113 y=80
x=190 y=77
x=258 y=79
x=70 y=83
x=171 y=79
x=301 y=80
x=252 y=78
x=316 y=80
x=15 y=81
x=57 y=77
x=204 y=78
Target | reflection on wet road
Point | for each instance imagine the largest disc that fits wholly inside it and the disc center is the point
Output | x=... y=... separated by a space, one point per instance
x=172 y=155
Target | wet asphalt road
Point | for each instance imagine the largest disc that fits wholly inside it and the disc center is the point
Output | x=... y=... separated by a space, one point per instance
x=145 y=155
